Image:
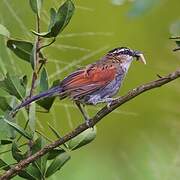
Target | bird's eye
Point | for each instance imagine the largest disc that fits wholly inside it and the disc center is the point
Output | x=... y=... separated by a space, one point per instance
x=126 y=52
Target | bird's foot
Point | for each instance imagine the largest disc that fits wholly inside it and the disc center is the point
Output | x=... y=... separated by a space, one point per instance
x=110 y=102
x=87 y=121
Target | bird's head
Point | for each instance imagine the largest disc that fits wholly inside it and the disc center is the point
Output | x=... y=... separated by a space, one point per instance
x=124 y=56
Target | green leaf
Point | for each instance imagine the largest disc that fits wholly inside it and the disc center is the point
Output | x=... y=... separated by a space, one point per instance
x=31 y=173
x=52 y=18
x=26 y=175
x=54 y=153
x=5 y=141
x=41 y=162
x=6 y=132
x=32 y=118
x=4 y=31
x=82 y=139
x=178 y=43
x=24 y=80
x=44 y=80
x=3 y=67
x=4 y=106
x=4 y=165
x=22 y=49
x=19 y=129
x=12 y=85
x=47 y=103
x=42 y=34
x=57 y=163
x=55 y=132
x=16 y=153
x=36 y=6
x=59 y=20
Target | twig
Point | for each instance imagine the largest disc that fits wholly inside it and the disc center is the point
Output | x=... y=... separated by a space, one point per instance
x=46 y=45
x=159 y=76
x=175 y=37
x=176 y=49
x=34 y=76
x=82 y=127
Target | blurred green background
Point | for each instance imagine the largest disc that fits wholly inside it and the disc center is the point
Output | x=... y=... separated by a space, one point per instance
x=140 y=140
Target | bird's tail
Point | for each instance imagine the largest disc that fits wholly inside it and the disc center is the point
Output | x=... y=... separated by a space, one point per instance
x=51 y=92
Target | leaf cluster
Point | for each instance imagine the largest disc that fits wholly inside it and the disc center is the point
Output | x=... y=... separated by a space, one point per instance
x=24 y=140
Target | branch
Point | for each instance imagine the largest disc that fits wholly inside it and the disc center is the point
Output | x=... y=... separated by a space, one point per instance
x=34 y=75
x=36 y=60
x=82 y=127
x=176 y=49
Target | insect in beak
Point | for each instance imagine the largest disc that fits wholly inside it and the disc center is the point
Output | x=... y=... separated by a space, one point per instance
x=142 y=59
x=139 y=56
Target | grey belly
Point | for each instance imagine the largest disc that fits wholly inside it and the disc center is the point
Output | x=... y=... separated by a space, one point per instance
x=107 y=92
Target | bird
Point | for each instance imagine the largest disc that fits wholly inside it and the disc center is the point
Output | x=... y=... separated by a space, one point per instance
x=95 y=83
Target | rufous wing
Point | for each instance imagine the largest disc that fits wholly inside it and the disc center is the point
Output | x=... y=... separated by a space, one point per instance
x=87 y=81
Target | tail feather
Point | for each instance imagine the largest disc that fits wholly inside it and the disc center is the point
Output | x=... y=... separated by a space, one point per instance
x=51 y=92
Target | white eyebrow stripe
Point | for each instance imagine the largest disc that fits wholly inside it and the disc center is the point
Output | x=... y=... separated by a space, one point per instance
x=120 y=50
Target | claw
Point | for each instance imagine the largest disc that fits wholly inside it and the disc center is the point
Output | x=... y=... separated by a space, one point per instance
x=109 y=104
x=88 y=123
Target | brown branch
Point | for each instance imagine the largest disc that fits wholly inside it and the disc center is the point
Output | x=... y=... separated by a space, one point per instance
x=34 y=75
x=36 y=60
x=175 y=37
x=176 y=49
x=82 y=127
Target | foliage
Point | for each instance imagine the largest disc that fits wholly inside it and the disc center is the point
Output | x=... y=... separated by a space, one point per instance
x=25 y=139
x=16 y=86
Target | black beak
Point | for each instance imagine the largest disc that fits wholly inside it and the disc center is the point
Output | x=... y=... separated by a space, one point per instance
x=139 y=56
